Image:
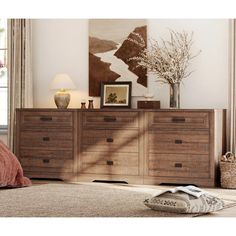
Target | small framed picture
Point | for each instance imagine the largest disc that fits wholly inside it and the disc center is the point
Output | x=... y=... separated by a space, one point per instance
x=116 y=94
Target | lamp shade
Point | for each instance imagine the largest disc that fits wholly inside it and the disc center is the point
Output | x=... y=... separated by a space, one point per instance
x=62 y=81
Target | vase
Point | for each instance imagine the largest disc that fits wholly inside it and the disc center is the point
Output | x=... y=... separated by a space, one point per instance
x=175 y=95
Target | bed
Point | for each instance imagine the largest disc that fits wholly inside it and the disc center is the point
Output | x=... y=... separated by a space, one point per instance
x=11 y=172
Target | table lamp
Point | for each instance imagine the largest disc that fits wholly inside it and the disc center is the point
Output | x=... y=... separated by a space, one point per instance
x=62 y=83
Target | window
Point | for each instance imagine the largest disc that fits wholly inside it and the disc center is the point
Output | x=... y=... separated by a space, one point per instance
x=3 y=73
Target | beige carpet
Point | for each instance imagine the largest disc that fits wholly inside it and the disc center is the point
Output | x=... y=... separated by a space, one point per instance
x=79 y=200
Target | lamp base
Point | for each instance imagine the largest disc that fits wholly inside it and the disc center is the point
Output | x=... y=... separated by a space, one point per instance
x=62 y=99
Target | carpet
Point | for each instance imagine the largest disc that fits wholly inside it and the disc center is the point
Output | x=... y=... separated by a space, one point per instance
x=79 y=200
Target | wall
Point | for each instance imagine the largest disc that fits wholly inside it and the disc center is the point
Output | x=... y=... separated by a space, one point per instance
x=207 y=87
x=3 y=137
x=59 y=46
x=62 y=46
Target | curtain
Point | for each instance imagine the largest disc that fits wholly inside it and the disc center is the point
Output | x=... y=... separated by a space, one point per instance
x=20 y=89
x=231 y=129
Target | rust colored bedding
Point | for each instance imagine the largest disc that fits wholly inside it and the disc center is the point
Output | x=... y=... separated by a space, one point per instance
x=11 y=172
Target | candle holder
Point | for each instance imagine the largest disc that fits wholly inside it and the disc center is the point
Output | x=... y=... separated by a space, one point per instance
x=90 y=106
x=83 y=106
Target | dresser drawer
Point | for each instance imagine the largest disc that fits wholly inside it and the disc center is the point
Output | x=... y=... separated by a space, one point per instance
x=56 y=140
x=172 y=119
x=40 y=119
x=178 y=165
x=63 y=164
x=110 y=119
x=188 y=148
x=114 y=163
x=45 y=153
x=39 y=172
x=110 y=140
x=189 y=142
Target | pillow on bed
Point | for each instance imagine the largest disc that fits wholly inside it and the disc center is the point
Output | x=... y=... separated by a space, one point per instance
x=182 y=202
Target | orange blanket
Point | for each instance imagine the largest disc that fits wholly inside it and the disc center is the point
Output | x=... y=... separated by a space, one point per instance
x=11 y=172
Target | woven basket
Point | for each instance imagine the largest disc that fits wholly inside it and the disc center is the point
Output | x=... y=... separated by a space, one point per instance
x=228 y=174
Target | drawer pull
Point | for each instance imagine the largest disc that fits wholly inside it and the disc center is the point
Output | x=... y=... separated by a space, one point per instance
x=110 y=140
x=46 y=118
x=178 y=165
x=110 y=118
x=178 y=119
x=178 y=141
x=46 y=161
x=46 y=139
x=110 y=163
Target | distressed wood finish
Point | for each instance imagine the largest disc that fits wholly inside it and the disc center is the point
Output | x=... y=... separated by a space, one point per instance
x=44 y=153
x=46 y=142
x=47 y=139
x=110 y=140
x=134 y=179
x=110 y=144
x=46 y=119
x=132 y=145
x=184 y=148
x=45 y=174
x=177 y=119
x=181 y=146
x=179 y=157
x=110 y=163
x=47 y=162
x=186 y=142
x=57 y=171
x=178 y=168
x=111 y=119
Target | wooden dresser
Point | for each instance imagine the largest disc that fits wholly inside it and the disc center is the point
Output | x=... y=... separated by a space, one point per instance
x=183 y=146
x=46 y=143
x=110 y=146
x=131 y=145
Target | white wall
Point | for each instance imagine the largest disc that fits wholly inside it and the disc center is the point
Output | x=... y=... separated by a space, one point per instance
x=59 y=46
x=62 y=46
x=207 y=87
x=3 y=137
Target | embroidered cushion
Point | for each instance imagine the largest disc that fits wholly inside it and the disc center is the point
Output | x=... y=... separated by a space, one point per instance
x=181 y=202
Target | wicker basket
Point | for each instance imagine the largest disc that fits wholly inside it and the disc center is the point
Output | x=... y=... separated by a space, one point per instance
x=228 y=174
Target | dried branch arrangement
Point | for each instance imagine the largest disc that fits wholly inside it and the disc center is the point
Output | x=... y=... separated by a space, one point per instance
x=168 y=60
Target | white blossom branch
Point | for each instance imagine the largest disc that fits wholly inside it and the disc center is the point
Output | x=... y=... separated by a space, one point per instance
x=169 y=60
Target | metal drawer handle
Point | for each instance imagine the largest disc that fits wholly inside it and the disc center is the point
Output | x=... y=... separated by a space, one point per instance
x=46 y=139
x=46 y=118
x=110 y=140
x=178 y=119
x=109 y=162
x=178 y=141
x=109 y=118
x=46 y=161
x=178 y=165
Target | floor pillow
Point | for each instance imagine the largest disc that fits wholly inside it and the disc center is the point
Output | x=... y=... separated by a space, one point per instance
x=189 y=199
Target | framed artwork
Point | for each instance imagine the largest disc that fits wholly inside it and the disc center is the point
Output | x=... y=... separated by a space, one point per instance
x=110 y=52
x=116 y=94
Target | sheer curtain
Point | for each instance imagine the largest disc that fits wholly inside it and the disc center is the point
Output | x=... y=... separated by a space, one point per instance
x=19 y=71
x=232 y=92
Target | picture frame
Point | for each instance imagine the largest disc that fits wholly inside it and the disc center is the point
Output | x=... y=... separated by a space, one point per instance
x=116 y=94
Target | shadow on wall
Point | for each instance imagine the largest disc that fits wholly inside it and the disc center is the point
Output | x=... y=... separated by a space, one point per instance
x=124 y=152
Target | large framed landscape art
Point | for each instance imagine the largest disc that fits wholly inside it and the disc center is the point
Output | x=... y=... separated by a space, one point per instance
x=110 y=53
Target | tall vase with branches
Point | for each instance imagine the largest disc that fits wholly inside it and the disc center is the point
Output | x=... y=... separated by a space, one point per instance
x=169 y=60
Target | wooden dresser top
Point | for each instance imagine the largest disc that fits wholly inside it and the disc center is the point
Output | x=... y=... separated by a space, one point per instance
x=116 y=110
